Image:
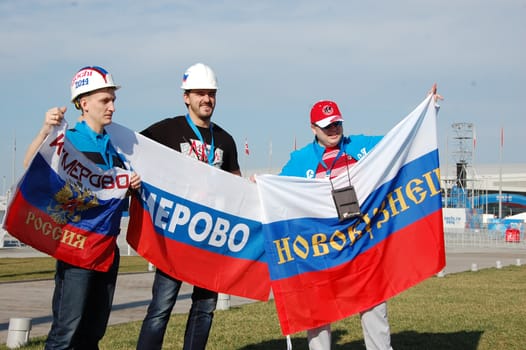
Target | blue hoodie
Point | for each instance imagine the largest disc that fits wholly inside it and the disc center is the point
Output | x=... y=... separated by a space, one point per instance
x=304 y=162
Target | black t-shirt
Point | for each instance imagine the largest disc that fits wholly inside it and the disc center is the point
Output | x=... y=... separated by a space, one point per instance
x=177 y=134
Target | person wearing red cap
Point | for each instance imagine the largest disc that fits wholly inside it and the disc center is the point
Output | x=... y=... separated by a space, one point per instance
x=322 y=157
x=328 y=156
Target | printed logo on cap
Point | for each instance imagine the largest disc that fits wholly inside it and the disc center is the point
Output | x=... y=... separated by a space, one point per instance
x=88 y=72
x=327 y=110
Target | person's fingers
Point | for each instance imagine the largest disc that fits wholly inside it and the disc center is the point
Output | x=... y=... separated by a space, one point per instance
x=55 y=115
x=433 y=91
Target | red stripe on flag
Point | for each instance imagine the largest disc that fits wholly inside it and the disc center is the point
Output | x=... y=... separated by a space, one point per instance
x=401 y=261
x=68 y=243
x=221 y=273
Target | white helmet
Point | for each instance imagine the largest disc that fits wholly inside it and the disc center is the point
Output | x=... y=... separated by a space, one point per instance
x=199 y=76
x=90 y=79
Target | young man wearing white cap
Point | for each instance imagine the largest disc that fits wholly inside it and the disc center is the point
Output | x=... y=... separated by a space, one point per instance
x=329 y=155
x=83 y=298
x=195 y=135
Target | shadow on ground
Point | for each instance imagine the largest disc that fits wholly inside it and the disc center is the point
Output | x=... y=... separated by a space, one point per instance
x=400 y=341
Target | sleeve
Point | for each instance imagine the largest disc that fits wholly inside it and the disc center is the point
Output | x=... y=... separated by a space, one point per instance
x=373 y=140
x=297 y=164
x=166 y=132
x=287 y=169
x=151 y=132
x=230 y=162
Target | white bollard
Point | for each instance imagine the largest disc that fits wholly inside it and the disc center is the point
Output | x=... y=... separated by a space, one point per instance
x=474 y=267
x=499 y=264
x=223 y=301
x=18 y=333
x=518 y=262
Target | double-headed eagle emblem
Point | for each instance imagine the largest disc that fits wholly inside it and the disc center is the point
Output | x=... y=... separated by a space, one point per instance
x=70 y=202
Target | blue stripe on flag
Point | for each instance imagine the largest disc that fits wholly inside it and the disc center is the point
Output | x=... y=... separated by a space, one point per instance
x=316 y=244
x=44 y=181
x=201 y=226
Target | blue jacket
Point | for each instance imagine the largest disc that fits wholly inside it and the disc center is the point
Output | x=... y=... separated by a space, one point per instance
x=304 y=162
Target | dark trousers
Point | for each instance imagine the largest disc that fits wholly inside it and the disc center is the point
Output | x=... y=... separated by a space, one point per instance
x=164 y=295
x=82 y=302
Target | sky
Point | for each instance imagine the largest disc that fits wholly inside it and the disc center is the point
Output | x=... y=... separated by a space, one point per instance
x=274 y=59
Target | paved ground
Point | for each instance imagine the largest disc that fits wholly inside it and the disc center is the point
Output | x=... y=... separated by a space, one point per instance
x=33 y=299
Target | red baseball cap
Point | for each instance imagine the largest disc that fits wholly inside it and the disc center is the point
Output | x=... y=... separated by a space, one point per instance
x=324 y=113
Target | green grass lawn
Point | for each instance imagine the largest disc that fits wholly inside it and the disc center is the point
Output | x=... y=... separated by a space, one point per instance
x=484 y=310
x=24 y=269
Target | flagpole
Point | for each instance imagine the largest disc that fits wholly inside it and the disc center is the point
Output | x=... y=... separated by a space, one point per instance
x=244 y=165
x=246 y=152
x=500 y=170
x=270 y=156
x=14 y=158
x=474 y=173
x=446 y=183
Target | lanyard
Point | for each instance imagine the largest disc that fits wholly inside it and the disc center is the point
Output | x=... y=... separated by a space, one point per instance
x=320 y=157
x=198 y=134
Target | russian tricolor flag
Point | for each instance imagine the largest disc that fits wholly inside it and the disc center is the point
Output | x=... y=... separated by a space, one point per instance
x=197 y=223
x=323 y=270
x=67 y=207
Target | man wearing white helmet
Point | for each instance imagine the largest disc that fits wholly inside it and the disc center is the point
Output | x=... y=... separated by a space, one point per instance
x=195 y=135
x=82 y=298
